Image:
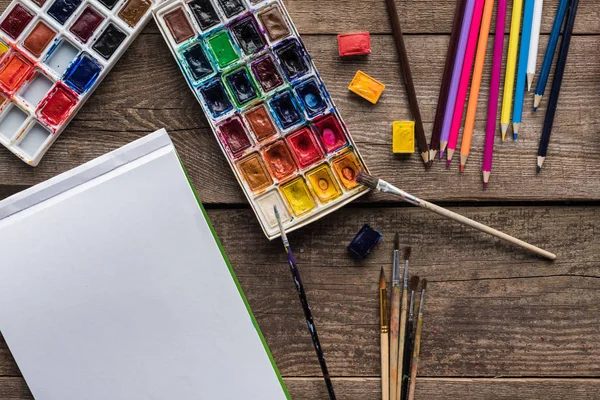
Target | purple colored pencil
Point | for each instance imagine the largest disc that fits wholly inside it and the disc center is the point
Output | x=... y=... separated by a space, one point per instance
x=490 y=135
x=458 y=63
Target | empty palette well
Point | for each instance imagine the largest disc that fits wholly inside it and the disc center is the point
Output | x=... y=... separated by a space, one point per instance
x=34 y=139
x=11 y=121
x=61 y=56
x=36 y=89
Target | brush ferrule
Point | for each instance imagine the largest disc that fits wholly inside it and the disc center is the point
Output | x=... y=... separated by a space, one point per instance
x=405 y=286
x=421 y=302
x=411 y=309
x=396 y=270
x=385 y=187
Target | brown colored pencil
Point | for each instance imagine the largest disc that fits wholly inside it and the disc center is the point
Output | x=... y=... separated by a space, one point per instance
x=434 y=146
x=385 y=337
x=403 y=318
x=417 y=350
x=395 y=322
x=408 y=82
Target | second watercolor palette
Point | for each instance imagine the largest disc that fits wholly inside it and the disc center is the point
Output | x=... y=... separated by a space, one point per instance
x=53 y=54
x=267 y=105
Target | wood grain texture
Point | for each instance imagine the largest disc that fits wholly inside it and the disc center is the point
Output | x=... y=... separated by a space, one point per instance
x=115 y=116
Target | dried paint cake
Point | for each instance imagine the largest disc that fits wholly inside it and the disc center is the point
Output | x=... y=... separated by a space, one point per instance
x=267 y=105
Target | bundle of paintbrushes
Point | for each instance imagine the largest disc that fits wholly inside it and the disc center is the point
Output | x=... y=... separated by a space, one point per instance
x=401 y=354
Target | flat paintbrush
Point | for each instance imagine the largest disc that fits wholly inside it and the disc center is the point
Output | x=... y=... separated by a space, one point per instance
x=410 y=336
x=384 y=329
x=403 y=318
x=395 y=322
x=417 y=349
x=305 y=306
x=381 y=185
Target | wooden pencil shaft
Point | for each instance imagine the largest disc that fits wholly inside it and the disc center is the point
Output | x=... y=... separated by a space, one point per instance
x=523 y=60
x=415 y=361
x=394 y=328
x=535 y=36
x=386 y=187
x=511 y=64
x=558 y=77
x=407 y=75
x=401 y=342
x=447 y=75
x=385 y=366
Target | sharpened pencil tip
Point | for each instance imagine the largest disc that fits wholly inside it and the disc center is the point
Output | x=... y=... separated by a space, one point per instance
x=538 y=169
x=485 y=185
x=515 y=137
x=535 y=109
x=448 y=163
x=462 y=167
x=441 y=154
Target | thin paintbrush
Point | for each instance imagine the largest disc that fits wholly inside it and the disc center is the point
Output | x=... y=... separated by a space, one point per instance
x=384 y=328
x=305 y=306
x=395 y=321
x=410 y=337
x=408 y=82
x=381 y=185
x=417 y=350
x=403 y=318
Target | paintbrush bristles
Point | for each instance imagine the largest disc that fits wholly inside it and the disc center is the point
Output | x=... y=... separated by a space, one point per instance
x=367 y=180
x=397 y=242
x=414 y=283
x=407 y=252
x=382 y=284
x=424 y=284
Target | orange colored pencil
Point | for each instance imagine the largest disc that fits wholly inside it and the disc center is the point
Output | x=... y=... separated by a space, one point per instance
x=465 y=147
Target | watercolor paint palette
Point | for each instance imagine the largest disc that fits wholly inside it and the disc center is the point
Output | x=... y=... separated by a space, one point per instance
x=53 y=55
x=267 y=105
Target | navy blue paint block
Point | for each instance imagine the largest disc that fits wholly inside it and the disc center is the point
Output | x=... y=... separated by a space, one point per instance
x=248 y=35
x=241 y=86
x=312 y=97
x=216 y=99
x=197 y=62
x=61 y=10
x=292 y=59
x=286 y=110
x=82 y=74
x=364 y=242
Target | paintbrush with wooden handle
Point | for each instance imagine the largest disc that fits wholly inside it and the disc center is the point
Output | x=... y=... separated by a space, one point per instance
x=417 y=349
x=395 y=322
x=403 y=318
x=384 y=328
x=382 y=186
x=409 y=342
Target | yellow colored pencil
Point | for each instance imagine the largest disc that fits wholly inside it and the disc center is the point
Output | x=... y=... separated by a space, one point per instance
x=465 y=147
x=511 y=66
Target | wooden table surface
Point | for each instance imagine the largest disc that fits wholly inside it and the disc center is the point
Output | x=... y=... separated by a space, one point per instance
x=499 y=322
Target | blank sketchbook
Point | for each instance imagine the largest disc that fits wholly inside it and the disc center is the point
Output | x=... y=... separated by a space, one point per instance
x=113 y=286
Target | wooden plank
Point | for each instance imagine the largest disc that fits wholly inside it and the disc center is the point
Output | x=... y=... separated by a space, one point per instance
x=116 y=115
x=492 y=310
x=15 y=388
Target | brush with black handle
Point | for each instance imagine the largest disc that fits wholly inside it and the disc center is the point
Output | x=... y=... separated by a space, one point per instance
x=410 y=337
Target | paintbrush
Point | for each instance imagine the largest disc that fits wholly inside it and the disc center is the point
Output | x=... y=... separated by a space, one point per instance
x=305 y=306
x=395 y=321
x=403 y=317
x=410 y=336
x=385 y=337
x=381 y=185
x=417 y=349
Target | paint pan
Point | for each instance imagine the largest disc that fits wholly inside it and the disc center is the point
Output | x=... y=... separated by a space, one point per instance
x=53 y=55
x=12 y=120
x=267 y=105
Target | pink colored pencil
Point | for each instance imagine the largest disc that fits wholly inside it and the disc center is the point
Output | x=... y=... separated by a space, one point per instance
x=490 y=135
x=465 y=77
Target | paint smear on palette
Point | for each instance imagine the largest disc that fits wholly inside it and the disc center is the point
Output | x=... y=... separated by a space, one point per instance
x=298 y=197
x=255 y=173
x=86 y=24
x=305 y=147
x=346 y=168
x=279 y=160
x=261 y=124
x=234 y=135
x=39 y=38
x=323 y=184
x=56 y=108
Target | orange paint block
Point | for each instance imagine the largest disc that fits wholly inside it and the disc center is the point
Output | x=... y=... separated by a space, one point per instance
x=14 y=72
x=366 y=87
x=346 y=168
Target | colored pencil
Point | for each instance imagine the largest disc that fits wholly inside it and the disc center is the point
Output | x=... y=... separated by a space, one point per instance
x=305 y=306
x=556 y=84
x=511 y=65
x=456 y=71
x=490 y=132
x=408 y=82
x=465 y=77
x=522 y=69
x=403 y=318
x=410 y=337
x=417 y=350
x=382 y=186
x=550 y=50
x=434 y=145
x=465 y=146
x=534 y=42
x=395 y=321
x=384 y=329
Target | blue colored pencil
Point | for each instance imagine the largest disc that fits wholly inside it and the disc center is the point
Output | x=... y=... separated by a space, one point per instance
x=550 y=50
x=522 y=69
x=305 y=306
x=556 y=83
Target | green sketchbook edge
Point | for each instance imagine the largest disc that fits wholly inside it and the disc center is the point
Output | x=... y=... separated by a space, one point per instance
x=237 y=283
